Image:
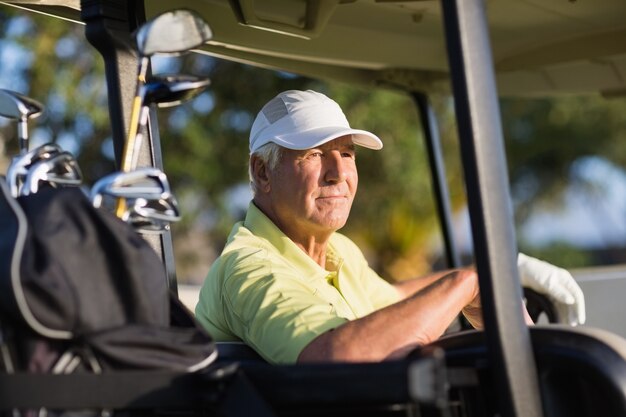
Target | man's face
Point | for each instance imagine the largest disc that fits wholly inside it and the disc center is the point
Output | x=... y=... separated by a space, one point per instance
x=312 y=190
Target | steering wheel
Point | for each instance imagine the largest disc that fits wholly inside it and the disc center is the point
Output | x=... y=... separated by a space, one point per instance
x=538 y=304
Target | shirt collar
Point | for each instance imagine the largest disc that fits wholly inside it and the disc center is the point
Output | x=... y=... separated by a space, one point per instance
x=261 y=226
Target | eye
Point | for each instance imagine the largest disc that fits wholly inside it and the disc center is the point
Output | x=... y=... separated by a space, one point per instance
x=348 y=151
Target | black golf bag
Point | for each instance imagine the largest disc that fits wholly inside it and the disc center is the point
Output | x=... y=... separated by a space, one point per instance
x=81 y=291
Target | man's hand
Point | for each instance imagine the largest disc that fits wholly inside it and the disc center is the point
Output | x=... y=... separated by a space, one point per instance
x=555 y=283
x=473 y=313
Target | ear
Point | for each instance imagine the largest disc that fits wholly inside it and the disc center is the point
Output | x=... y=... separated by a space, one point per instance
x=260 y=173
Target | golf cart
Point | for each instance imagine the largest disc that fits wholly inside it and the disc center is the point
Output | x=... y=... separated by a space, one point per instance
x=506 y=370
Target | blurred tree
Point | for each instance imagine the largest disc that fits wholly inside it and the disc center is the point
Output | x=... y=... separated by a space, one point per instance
x=552 y=144
x=394 y=215
x=54 y=65
x=545 y=138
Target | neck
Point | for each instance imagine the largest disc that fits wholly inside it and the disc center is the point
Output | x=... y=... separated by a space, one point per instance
x=315 y=249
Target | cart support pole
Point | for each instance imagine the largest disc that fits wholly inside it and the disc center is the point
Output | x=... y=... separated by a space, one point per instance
x=438 y=177
x=108 y=27
x=478 y=118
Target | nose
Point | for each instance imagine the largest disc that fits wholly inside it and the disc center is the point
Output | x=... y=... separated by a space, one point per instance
x=336 y=169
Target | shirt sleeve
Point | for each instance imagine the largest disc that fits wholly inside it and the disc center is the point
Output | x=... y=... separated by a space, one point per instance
x=381 y=293
x=273 y=311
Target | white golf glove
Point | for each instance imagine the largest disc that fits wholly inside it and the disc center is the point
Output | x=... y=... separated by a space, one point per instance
x=555 y=283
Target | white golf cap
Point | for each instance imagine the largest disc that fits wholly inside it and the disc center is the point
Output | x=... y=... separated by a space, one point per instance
x=303 y=120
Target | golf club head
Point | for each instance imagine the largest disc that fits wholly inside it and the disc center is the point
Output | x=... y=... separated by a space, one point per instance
x=172 y=33
x=18 y=169
x=60 y=169
x=152 y=216
x=150 y=206
x=17 y=106
x=149 y=183
x=171 y=90
x=21 y=108
x=162 y=91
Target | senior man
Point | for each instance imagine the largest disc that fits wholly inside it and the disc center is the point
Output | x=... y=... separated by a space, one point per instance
x=291 y=287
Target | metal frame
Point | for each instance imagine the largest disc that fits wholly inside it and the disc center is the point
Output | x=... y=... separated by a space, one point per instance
x=480 y=134
x=438 y=177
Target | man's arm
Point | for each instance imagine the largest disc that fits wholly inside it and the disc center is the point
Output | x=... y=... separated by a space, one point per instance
x=395 y=330
x=555 y=283
x=411 y=286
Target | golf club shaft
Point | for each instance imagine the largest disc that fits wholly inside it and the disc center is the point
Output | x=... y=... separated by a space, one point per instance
x=129 y=146
x=22 y=129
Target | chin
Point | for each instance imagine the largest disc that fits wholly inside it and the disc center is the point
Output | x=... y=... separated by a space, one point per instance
x=338 y=223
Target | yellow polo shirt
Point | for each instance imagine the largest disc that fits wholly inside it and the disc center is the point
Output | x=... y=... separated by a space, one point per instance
x=265 y=291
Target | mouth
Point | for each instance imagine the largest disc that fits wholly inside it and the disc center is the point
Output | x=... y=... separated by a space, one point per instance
x=334 y=200
x=333 y=197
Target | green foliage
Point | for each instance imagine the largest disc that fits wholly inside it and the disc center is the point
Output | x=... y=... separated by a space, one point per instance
x=562 y=253
x=67 y=77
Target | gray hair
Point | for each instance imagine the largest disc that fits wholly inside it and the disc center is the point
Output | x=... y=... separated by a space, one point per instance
x=270 y=154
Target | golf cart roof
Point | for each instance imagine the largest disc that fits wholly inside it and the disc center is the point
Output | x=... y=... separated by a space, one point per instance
x=539 y=47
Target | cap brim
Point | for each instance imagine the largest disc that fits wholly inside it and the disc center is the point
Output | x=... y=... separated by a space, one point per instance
x=316 y=137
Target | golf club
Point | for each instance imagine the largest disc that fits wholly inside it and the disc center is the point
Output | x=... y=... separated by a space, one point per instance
x=147 y=182
x=21 y=108
x=172 y=90
x=171 y=33
x=18 y=168
x=150 y=207
x=59 y=169
x=164 y=91
x=153 y=216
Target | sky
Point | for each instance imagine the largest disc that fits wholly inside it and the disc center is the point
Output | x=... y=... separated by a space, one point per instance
x=582 y=222
x=589 y=222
